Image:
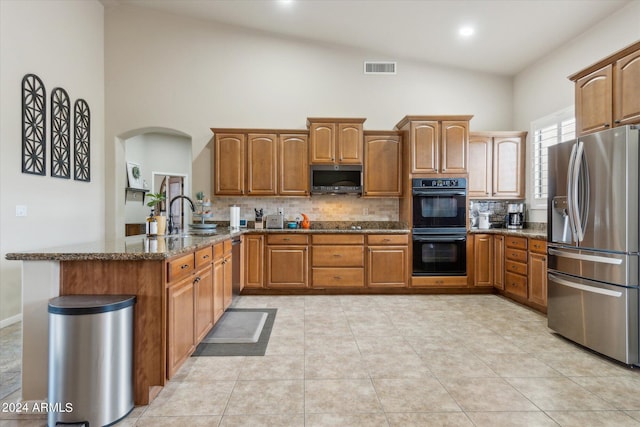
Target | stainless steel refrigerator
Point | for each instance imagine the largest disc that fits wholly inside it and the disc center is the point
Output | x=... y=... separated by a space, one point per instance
x=593 y=242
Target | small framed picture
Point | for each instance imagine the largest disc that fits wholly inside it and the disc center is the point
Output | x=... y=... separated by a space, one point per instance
x=134 y=174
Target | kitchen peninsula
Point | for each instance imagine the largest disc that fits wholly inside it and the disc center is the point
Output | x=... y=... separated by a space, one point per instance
x=171 y=277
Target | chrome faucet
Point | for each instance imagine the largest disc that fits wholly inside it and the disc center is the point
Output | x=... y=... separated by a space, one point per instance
x=170 y=226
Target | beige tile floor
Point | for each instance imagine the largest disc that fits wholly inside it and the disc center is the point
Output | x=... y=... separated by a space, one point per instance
x=393 y=361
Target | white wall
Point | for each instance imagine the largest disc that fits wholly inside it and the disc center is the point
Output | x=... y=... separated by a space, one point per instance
x=543 y=88
x=190 y=75
x=62 y=42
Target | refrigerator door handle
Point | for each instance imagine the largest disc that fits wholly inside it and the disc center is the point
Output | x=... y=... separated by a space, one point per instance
x=570 y=195
x=575 y=200
x=585 y=288
x=584 y=257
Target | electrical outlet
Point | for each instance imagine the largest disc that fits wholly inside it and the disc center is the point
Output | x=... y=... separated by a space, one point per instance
x=281 y=211
x=21 y=210
x=365 y=211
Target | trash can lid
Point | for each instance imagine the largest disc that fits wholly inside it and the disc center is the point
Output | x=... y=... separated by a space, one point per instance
x=89 y=304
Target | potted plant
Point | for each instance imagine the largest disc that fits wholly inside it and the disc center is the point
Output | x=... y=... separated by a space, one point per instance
x=155 y=202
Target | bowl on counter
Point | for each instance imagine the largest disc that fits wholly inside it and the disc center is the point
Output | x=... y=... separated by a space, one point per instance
x=292 y=224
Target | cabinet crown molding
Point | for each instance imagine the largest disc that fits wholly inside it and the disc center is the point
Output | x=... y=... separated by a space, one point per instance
x=605 y=61
x=408 y=119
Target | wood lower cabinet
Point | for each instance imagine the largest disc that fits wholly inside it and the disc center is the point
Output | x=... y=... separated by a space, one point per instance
x=253 y=260
x=382 y=164
x=218 y=289
x=537 y=278
x=498 y=261
x=287 y=261
x=181 y=325
x=337 y=260
x=515 y=276
x=387 y=260
x=437 y=144
x=483 y=259
x=607 y=93
x=224 y=264
x=203 y=292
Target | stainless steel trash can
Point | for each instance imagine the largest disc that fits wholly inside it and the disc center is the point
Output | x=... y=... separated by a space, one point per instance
x=90 y=359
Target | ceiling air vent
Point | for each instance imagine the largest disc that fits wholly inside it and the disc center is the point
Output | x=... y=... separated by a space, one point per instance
x=379 y=67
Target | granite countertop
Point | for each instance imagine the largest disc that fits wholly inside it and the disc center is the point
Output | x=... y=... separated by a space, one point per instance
x=536 y=233
x=141 y=247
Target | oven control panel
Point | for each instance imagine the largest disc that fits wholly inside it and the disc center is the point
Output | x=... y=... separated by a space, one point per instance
x=453 y=183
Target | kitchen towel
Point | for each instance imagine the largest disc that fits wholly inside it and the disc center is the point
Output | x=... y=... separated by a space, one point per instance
x=234 y=215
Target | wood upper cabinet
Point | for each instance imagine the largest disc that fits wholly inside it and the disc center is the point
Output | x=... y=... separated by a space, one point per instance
x=335 y=141
x=626 y=98
x=262 y=164
x=607 y=93
x=437 y=144
x=253 y=260
x=229 y=163
x=480 y=182
x=382 y=164
x=509 y=167
x=498 y=167
x=293 y=165
x=483 y=259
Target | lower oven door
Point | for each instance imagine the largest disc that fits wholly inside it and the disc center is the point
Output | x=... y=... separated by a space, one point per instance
x=439 y=255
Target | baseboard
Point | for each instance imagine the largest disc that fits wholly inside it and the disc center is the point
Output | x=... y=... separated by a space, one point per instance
x=10 y=320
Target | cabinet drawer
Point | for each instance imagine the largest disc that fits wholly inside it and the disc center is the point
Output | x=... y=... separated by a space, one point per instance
x=516 y=267
x=516 y=254
x=204 y=256
x=515 y=284
x=287 y=239
x=180 y=267
x=516 y=242
x=338 y=239
x=538 y=246
x=338 y=277
x=388 y=239
x=338 y=256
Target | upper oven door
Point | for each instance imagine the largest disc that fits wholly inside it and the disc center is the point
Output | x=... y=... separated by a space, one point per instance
x=439 y=209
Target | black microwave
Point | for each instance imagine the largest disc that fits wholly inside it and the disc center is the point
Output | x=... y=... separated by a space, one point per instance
x=336 y=179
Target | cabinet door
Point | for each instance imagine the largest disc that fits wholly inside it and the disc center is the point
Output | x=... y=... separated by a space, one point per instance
x=287 y=267
x=180 y=328
x=480 y=169
x=203 y=290
x=425 y=140
x=349 y=143
x=218 y=289
x=594 y=99
x=508 y=167
x=455 y=142
x=294 y=165
x=262 y=164
x=482 y=260
x=254 y=260
x=538 y=279
x=387 y=266
x=382 y=166
x=322 y=141
x=229 y=164
x=626 y=97
x=228 y=281
x=498 y=261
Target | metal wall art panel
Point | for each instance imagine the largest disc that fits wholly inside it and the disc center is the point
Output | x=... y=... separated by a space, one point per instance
x=60 y=134
x=82 y=129
x=34 y=109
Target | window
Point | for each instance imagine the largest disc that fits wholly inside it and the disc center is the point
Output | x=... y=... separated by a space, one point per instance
x=548 y=131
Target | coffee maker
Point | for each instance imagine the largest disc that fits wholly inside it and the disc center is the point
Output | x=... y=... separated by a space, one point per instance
x=515 y=215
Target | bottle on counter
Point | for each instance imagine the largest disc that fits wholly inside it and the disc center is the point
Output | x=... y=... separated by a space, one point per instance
x=152 y=225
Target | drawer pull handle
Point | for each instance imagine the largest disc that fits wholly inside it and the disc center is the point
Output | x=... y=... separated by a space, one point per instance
x=286 y=239
x=182 y=267
x=337 y=277
x=205 y=257
x=337 y=255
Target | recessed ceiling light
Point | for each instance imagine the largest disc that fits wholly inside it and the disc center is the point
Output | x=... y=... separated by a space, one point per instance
x=466 y=31
x=285 y=2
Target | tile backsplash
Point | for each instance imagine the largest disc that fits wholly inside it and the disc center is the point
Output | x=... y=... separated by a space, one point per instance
x=317 y=208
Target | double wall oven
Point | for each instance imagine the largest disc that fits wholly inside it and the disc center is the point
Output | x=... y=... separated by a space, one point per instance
x=439 y=226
